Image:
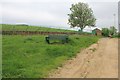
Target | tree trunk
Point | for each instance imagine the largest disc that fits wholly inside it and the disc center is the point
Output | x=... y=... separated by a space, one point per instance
x=81 y=29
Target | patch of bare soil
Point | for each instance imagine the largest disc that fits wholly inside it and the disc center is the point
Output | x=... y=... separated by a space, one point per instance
x=100 y=60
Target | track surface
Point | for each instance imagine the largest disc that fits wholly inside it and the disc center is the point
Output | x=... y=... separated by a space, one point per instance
x=100 y=60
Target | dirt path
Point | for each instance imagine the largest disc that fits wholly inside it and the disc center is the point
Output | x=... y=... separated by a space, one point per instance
x=98 y=61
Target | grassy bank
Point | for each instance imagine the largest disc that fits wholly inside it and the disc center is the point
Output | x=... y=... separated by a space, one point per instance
x=32 y=57
x=8 y=27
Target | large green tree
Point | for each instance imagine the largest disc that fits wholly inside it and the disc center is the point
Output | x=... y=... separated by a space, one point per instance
x=81 y=16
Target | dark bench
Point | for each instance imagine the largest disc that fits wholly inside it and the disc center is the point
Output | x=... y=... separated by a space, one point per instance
x=63 y=38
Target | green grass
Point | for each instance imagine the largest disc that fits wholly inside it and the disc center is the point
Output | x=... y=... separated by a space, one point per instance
x=8 y=27
x=32 y=57
x=0 y=56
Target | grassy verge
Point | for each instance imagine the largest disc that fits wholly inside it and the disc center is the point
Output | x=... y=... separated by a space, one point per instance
x=32 y=57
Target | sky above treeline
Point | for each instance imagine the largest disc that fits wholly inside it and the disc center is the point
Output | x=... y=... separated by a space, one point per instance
x=53 y=13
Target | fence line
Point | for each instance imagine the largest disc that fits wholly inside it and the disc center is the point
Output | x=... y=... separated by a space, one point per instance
x=39 y=33
x=33 y=33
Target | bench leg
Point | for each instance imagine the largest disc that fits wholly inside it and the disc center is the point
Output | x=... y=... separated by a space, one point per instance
x=47 y=40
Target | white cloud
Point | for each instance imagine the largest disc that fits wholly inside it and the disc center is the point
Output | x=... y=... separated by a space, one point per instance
x=30 y=15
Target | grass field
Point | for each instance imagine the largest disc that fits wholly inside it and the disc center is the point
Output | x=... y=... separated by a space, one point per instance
x=32 y=57
x=7 y=27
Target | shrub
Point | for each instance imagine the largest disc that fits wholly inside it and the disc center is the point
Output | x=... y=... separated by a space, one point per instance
x=105 y=32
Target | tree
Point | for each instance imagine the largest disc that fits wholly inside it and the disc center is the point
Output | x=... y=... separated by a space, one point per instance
x=113 y=30
x=81 y=16
x=105 y=32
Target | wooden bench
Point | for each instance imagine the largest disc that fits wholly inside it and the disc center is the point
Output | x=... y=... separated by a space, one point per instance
x=63 y=38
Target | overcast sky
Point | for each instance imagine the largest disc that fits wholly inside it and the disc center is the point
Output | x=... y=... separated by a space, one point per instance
x=54 y=12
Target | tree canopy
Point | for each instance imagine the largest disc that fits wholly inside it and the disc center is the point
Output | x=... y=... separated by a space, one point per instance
x=81 y=16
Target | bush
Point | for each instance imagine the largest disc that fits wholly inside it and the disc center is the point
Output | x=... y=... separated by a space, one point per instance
x=105 y=32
